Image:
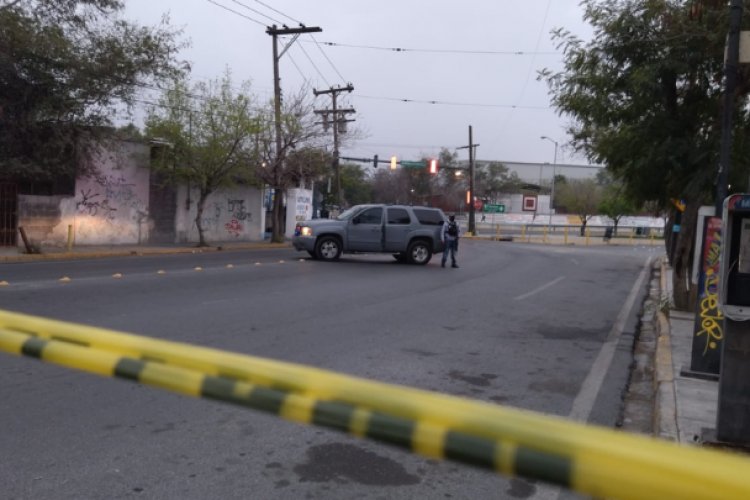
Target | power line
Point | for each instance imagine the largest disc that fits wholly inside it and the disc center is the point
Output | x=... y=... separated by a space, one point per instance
x=440 y=51
x=236 y=13
x=328 y=59
x=449 y=103
x=304 y=78
x=277 y=11
x=313 y=64
x=256 y=11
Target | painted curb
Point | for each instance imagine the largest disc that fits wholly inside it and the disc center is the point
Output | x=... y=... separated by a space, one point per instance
x=82 y=253
x=665 y=407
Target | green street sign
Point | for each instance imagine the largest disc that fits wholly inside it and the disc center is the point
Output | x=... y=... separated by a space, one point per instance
x=413 y=164
x=497 y=209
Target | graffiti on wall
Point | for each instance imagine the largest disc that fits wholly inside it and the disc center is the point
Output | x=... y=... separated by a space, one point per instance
x=231 y=218
x=110 y=193
x=237 y=209
x=94 y=204
x=709 y=320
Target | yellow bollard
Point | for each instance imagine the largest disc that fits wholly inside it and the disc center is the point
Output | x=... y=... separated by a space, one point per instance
x=588 y=234
x=631 y=235
x=497 y=232
x=523 y=232
x=70 y=237
x=544 y=235
x=566 y=234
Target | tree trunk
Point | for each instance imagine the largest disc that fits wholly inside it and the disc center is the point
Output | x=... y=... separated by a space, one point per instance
x=682 y=260
x=199 y=217
x=278 y=230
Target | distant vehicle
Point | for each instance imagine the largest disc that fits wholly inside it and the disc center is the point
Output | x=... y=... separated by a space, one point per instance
x=411 y=234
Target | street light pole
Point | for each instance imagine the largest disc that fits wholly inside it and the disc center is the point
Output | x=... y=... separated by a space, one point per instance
x=554 y=166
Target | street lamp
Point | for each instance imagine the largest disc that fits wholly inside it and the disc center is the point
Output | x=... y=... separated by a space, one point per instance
x=554 y=164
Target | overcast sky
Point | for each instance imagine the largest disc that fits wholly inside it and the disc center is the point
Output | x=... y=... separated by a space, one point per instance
x=464 y=56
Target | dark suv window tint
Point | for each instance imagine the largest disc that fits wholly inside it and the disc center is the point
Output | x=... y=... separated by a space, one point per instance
x=371 y=216
x=429 y=217
x=398 y=216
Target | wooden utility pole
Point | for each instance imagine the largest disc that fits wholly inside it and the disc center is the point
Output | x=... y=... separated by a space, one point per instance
x=278 y=235
x=338 y=126
x=472 y=216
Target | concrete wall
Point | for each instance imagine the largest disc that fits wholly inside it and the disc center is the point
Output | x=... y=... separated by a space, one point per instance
x=39 y=216
x=111 y=207
x=232 y=214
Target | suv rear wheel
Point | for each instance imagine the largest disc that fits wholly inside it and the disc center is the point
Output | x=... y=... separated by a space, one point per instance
x=328 y=248
x=419 y=252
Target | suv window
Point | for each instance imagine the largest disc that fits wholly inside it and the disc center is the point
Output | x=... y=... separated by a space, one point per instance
x=429 y=217
x=398 y=216
x=370 y=216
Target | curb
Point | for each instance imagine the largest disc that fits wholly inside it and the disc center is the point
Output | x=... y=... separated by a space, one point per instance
x=134 y=251
x=665 y=407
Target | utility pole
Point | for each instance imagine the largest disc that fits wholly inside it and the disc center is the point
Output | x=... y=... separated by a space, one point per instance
x=472 y=216
x=339 y=122
x=731 y=69
x=275 y=33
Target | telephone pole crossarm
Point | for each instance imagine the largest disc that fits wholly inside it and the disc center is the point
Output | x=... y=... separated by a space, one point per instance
x=339 y=118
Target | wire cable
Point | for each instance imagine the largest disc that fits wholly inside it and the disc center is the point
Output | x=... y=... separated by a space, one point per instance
x=256 y=11
x=237 y=13
x=441 y=51
x=278 y=12
x=328 y=59
x=313 y=64
x=449 y=103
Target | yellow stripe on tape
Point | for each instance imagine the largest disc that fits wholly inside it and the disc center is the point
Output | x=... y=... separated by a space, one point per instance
x=598 y=462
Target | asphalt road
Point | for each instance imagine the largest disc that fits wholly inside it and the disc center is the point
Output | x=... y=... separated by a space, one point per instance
x=542 y=328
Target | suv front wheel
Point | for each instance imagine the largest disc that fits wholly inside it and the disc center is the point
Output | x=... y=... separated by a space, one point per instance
x=419 y=252
x=328 y=248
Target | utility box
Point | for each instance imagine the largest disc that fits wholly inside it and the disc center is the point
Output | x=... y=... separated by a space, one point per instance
x=733 y=413
x=734 y=277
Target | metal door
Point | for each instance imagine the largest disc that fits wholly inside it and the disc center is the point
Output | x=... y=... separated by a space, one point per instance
x=366 y=231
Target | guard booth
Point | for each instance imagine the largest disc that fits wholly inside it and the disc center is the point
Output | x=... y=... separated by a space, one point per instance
x=733 y=415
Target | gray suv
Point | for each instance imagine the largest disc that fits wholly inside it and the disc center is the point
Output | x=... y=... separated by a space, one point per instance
x=411 y=234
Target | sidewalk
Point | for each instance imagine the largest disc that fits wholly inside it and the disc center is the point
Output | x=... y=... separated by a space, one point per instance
x=685 y=406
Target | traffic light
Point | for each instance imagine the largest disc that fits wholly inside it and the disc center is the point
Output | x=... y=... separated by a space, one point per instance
x=432 y=165
x=375 y=161
x=394 y=162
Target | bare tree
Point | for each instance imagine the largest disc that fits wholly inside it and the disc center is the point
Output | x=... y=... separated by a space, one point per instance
x=298 y=131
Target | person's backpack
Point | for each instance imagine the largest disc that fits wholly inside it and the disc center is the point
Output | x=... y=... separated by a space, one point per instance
x=452 y=229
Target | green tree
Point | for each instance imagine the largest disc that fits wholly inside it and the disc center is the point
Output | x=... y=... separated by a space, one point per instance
x=356 y=185
x=494 y=178
x=452 y=181
x=66 y=67
x=581 y=197
x=615 y=205
x=209 y=130
x=644 y=94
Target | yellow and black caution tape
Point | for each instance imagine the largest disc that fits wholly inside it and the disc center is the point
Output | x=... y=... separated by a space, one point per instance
x=592 y=460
